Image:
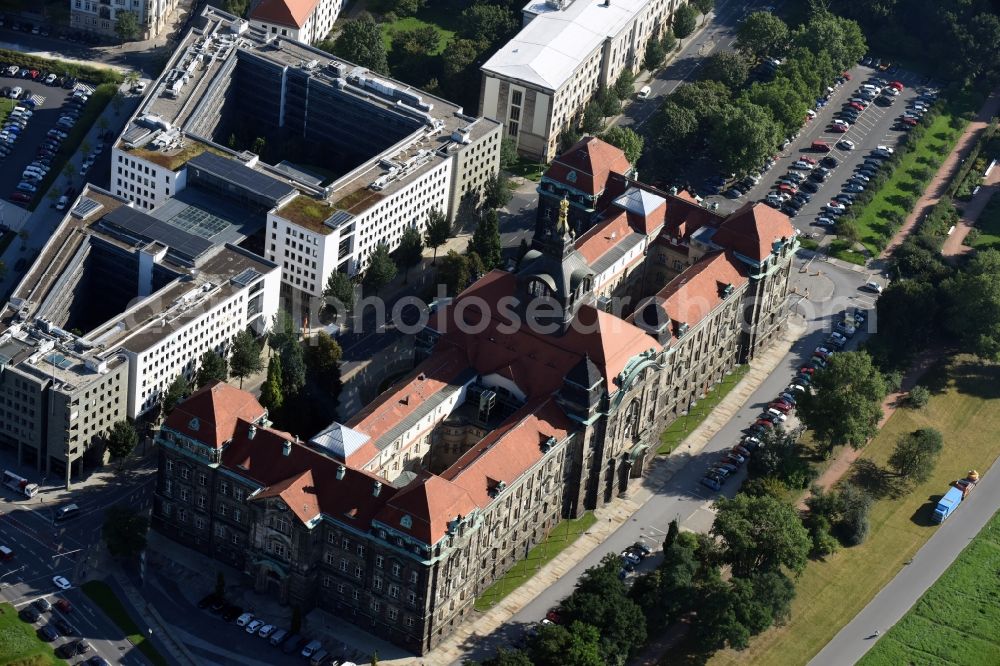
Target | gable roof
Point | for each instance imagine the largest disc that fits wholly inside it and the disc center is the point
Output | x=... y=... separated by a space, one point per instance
x=210 y=414
x=753 y=229
x=431 y=502
x=590 y=161
x=291 y=13
x=299 y=493
x=603 y=236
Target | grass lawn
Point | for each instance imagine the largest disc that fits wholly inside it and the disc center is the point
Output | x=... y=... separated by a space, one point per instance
x=19 y=644
x=988 y=226
x=445 y=22
x=102 y=595
x=685 y=425
x=965 y=407
x=561 y=536
x=907 y=180
x=841 y=249
x=528 y=169
x=957 y=621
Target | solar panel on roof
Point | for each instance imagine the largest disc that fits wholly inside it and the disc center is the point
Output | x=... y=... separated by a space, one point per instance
x=246 y=277
x=59 y=361
x=85 y=207
x=339 y=218
x=145 y=227
x=240 y=175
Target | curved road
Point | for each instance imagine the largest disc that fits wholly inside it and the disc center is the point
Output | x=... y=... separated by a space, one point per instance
x=896 y=598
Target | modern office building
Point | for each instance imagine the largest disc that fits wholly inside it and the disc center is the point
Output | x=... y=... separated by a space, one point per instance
x=536 y=397
x=306 y=21
x=539 y=83
x=368 y=156
x=101 y=16
x=122 y=301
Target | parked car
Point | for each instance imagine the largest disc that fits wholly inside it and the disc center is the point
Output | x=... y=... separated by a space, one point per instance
x=48 y=633
x=244 y=620
x=711 y=483
x=873 y=287
x=253 y=626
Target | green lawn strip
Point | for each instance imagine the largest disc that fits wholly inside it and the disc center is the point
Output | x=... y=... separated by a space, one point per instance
x=95 y=106
x=966 y=409
x=102 y=595
x=988 y=225
x=559 y=538
x=685 y=425
x=809 y=243
x=873 y=228
x=958 y=619
x=426 y=19
x=529 y=169
x=841 y=249
x=19 y=644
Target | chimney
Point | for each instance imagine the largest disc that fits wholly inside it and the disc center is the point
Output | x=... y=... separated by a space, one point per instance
x=341 y=471
x=286 y=449
x=377 y=489
x=252 y=432
x=607 y=3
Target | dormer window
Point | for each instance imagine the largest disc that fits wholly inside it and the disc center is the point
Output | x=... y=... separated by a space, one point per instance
x=538 y=288
x=194 y=424
x=406 y=522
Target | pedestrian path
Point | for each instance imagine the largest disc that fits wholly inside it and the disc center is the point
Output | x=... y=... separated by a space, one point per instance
x=953 y=245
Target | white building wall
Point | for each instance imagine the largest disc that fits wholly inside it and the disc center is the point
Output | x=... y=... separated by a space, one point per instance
x=316 y=27
x=306 y=257
x=146 y=183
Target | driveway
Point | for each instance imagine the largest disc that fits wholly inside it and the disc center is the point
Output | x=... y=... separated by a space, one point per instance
x=873 y=128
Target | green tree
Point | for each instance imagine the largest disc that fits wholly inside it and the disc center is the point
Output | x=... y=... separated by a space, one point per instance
x=488 y=24
x=845 y=403
x=577 y=644
x=271 y=395
x=244 y=357
x=323 y=356
x=122 y=439
x=786 y=102
x=437 y=232
x=669 y=42
x=381 y=268
x=454 y=272
x=744 y=136
x=703 y=6
x=360 y=42
x=973 y=316
x=608 y=101
x=408 y=7
x=685 y=21
x=486 y=241
x=654 y=56
x=124 y=531
x=730 y=68
x=258 y=146
x=625 y=85
x=593 y=118
x=627 y=139
x=508 y=152
x=762 y=34
x=760 y=534
x=211 y=367
x=916 y=454
x=127 y=26
x=853 y=524
x=236 y=7
x=919 y=397
x=410 y=251
x=177 y=392
x=339 y=287
x=672 y=531
x=497 y=192
x=293 y=368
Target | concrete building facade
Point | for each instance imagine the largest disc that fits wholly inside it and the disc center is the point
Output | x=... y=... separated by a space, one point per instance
x=101 y=16
x=306 y=21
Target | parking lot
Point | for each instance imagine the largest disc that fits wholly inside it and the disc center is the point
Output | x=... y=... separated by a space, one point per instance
x=23 y=151
x=874 y=127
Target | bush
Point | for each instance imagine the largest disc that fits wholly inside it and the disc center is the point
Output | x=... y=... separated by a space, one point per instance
x=853 y=526
x=919 y=397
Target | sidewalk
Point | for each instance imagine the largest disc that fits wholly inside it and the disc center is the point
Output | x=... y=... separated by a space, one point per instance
x=935 y=189
x=953 y=245
x=613 y=516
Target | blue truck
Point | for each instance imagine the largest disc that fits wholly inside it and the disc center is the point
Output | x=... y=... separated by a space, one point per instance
x=959 y=491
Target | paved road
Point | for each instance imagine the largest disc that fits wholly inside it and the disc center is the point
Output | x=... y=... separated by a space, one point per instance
x=896 y=598
x=682 y=496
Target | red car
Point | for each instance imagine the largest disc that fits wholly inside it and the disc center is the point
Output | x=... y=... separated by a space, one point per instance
x=910 y=121
x=806 y=369
x=846 y=75
x=554 y=616
x=780 y=406
x=765 y=423
x=21 y=197
x=839 y=129
x=897 y=85
x=807 y=159
x=856 y=106
x=64 y=605
x=787 y=188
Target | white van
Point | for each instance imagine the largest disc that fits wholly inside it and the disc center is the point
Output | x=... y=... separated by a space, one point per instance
x=644 y=92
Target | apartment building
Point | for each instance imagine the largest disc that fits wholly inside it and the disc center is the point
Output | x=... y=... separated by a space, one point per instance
x=101 y=16
x=306 y=21
x=538 y=84
x=117 y=305
x=533 y=399
x=366 y=156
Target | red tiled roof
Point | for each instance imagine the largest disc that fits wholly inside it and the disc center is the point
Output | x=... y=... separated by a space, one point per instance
x=305 y=478
x=603 y=236
x=431 y=502
x=609 y=341
x=592 y=160
x=752 y=229
x=292 y=13
x=510 y=450
x=403 y=398
x=210 y=414
x=690 y=296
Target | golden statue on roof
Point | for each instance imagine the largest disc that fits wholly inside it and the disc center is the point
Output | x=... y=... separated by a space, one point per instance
x=562 y=226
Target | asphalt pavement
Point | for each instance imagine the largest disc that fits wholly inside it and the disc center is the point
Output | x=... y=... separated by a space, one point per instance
x=896 y=598
x=831 y=289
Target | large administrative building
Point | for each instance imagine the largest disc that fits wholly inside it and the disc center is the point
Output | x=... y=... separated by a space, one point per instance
x=368 y=156
x=539 y=393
